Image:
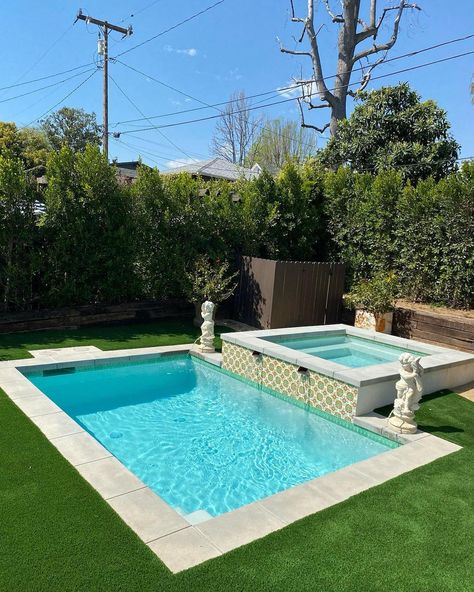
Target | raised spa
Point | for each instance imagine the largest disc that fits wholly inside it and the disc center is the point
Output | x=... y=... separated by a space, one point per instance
x=339 y=369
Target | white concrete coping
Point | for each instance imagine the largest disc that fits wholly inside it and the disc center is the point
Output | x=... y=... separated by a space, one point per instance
x=181 y=543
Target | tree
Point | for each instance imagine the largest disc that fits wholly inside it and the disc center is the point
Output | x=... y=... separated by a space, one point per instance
x=235 y=130
x=90 y=231
x=18 y=256
x=353 y=31
x=281 y=140
x=392 y=128
x=30 y=145
x=71 y=127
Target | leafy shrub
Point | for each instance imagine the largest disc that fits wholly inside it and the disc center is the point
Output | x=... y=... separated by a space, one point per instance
x=376 y=295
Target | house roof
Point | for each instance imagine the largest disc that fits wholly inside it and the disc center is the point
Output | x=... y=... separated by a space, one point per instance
x=217 y=168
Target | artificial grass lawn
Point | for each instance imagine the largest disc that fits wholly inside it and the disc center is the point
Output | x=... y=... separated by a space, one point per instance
x=164 y=332
x=414 y=533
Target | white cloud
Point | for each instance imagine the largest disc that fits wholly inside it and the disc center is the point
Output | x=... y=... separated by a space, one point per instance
x=292 y=90
x=173 y=164
x=191 y=52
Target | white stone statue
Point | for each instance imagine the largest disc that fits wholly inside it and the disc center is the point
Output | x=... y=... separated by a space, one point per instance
x=207 y=328
x=409 y=392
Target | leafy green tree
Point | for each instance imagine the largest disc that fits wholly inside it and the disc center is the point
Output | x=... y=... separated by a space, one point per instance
x=30 y=145
x=90 y=231
x=157 y=251
x=18 y=233
x=392 y=128
x=72 y=127
x=360 y=217
x=281 y=140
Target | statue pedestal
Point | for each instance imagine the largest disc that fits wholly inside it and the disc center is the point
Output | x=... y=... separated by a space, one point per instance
x=402 y=425
x=206 y=349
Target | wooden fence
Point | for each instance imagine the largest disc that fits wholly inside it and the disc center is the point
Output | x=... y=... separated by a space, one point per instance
x=447 y=329
x=274 y=294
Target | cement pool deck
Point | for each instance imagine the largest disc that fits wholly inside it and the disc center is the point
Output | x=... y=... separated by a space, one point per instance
x=179 y=542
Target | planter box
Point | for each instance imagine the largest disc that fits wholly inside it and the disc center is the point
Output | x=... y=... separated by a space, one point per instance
x=374 y=321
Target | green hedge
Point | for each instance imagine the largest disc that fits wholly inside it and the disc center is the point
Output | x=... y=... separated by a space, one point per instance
x=99 y=241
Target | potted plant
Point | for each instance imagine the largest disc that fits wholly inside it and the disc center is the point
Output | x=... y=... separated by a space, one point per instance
x=374 y=300
x=208 y=280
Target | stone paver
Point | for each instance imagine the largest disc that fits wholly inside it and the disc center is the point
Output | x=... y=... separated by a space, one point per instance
x=54 y=425
x=80 y=448
x=109 y=477
x=296 y=503
x=147 y=514
x=36 y=405
x=239 y=527
x=184 y=549
x=466 y=391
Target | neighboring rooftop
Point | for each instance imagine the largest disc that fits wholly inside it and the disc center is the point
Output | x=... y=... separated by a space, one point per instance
x=216 y=168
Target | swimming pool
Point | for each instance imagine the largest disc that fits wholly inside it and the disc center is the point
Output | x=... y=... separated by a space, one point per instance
x=348 y=350
x=199 y=438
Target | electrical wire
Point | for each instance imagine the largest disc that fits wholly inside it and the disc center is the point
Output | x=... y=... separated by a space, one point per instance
x=210 y=117
x=141 y=113
x=46 y=77
x=47 y=86
x=140 y=10
x=175 y=26
x=44 y=54
x=61 y=101
x=281 y=89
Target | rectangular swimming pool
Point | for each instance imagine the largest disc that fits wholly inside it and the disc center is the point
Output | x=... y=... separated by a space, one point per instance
x=199 y=438
x=348 y=350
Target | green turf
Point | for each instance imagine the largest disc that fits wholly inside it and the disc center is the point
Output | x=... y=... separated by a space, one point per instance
x=164 y=332
x=412 y=534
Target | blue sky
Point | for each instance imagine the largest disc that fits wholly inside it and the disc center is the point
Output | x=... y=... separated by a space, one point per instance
x=232 y=47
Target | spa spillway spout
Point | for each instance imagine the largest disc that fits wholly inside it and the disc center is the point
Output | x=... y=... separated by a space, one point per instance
x=302 y=370
x=256 y=354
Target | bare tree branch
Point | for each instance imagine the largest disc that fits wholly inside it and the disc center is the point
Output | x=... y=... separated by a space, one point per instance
x=308 y=125
x=366 y=77
x=374 y=31
x=336 y=18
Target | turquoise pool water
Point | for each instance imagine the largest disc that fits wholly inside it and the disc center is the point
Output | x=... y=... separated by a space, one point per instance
x=199 y=438
x=348 y=350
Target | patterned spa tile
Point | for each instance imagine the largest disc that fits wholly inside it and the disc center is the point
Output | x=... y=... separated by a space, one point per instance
x=325 y=393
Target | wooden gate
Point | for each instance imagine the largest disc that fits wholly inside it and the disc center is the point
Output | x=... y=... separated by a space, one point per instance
x=274 y=294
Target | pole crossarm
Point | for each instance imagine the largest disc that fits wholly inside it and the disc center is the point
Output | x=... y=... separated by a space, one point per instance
x=93 y=21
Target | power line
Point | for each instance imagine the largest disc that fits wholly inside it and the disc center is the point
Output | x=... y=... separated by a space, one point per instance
x=175 y=26
x=179 y=123
x=44 y=54
x=62 y=100
x=46 y=77
x=140 y=10
x=207 y=105
x=141 y=113
x=281 y=89
x=47 y=86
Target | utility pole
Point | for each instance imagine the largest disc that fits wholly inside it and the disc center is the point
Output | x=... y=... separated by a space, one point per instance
x=104 y=50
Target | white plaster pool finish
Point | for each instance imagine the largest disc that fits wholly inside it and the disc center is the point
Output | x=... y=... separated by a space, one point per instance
x=180 y=543
x=345 y=392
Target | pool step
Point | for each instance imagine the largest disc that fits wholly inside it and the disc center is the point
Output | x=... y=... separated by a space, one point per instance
x=197 y=517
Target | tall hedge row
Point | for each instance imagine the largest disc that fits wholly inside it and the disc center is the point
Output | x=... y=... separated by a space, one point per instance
x=100 y=242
